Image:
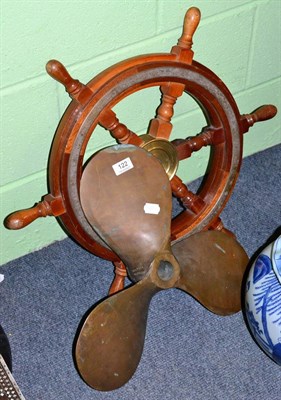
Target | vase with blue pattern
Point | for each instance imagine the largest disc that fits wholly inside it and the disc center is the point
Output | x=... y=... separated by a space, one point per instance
x=263 y=300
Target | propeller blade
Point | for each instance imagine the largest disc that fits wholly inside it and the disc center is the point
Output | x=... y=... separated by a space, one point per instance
x=212 y=267
x=126 y=197
x=110 y=344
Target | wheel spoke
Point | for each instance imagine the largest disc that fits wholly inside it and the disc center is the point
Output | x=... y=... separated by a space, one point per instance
x=119 y=131
x=208 y=137
x=161 y=126
x=118 y=282
x=188 y=199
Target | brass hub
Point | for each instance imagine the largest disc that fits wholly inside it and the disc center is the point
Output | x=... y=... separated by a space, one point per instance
x=164 y=151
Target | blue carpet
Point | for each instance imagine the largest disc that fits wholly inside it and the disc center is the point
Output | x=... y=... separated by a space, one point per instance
x=189 y=354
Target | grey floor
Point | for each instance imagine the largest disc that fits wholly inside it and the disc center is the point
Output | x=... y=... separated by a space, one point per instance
x=189 y=352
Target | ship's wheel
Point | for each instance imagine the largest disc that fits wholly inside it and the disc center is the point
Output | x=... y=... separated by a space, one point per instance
x=176 y=74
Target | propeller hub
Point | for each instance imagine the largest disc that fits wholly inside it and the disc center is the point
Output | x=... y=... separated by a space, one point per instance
x=165 y=270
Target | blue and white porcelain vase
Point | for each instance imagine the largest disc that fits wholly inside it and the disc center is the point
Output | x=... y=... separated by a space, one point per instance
x=263 y=300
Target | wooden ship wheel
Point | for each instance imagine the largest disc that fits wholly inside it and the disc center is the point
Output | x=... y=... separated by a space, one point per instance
x=117 y=204
x=175 y=73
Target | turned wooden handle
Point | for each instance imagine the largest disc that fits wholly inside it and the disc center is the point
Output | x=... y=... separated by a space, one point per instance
x=263 y=113
x=20 y=219
x=58 y=72
x=76 y=90
x=191 y=21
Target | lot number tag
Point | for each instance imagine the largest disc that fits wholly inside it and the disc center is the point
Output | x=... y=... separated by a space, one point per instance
x=122 y=166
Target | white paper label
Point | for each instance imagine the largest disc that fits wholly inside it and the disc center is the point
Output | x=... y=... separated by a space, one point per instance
x=122 y=166
x=151 y=208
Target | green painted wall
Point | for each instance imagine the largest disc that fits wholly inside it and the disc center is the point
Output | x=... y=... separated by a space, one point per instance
x=238 y=39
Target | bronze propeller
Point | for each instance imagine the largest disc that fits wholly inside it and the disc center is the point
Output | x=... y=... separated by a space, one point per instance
x=126 y=197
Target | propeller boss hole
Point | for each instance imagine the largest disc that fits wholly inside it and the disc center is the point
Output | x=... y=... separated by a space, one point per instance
x=165 y=270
